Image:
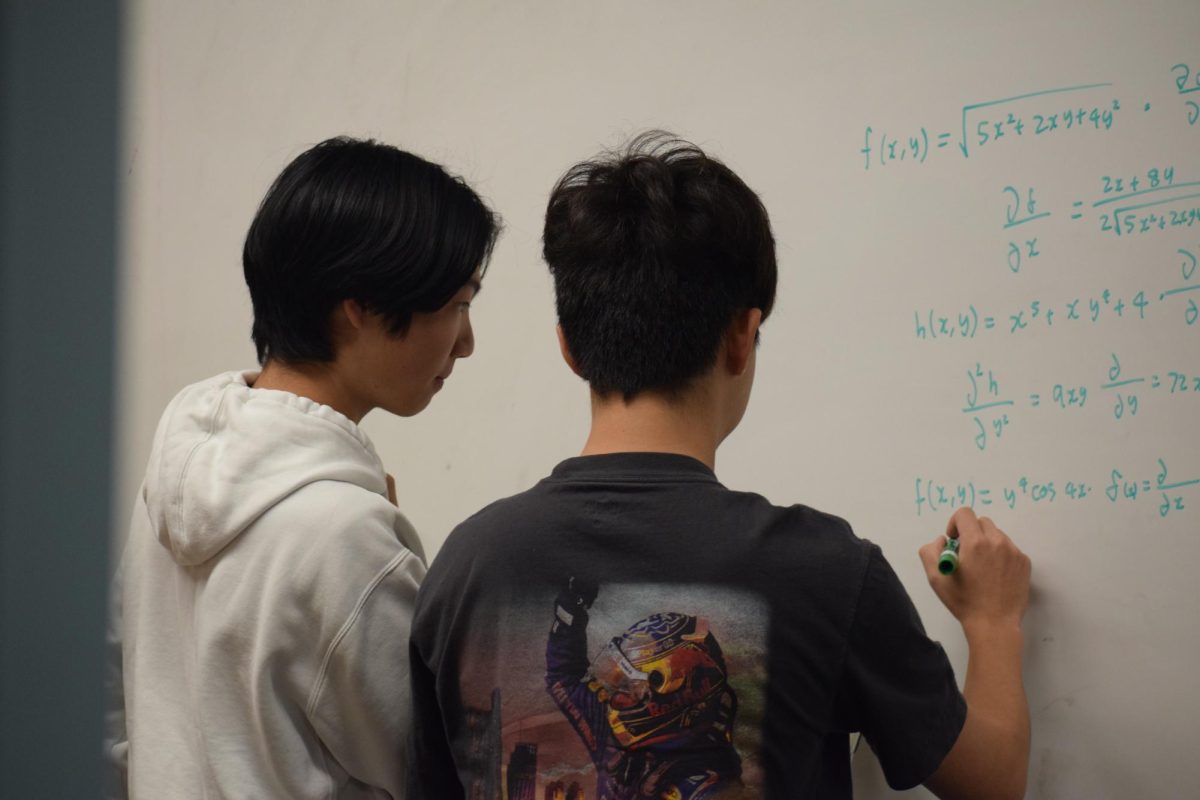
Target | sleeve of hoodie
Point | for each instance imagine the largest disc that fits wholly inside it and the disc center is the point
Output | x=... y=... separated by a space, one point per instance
x=361 y=705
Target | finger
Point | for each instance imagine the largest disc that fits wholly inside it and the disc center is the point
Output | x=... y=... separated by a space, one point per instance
x=962 y=521
x=391 y=490
x=928 y=554
x=936 y=544
x=931 y=553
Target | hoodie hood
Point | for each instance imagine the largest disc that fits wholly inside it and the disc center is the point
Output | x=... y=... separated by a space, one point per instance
x=225 y=453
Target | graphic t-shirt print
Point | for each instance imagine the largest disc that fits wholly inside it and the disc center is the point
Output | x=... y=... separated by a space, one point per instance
x=646 y=691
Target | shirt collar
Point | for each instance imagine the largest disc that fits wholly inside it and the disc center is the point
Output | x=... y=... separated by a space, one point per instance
x=669 y=467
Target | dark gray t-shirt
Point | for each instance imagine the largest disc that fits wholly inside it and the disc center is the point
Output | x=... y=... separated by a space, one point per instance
x=630 y=628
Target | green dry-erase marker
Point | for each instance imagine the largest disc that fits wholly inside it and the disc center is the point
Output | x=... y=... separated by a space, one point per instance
x=948 y=560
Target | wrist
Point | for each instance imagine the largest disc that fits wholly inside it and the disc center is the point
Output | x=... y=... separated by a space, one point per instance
x=990 y=632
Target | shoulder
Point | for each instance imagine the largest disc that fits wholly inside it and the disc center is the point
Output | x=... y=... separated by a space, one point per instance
x=794 y=549
x=334 y=510
x=828 y=531
x=342 y=540
x=491 y=526
x=799 y=525
x=483 y=542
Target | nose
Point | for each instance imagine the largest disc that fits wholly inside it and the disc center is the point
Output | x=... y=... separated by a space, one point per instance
x=466 y=339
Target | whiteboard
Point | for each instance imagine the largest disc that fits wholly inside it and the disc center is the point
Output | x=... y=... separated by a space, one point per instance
x=987 y=226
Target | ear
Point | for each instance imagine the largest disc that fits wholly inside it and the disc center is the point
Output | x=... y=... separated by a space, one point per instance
x=565 y=349
x=741 y=339
x=356 y=315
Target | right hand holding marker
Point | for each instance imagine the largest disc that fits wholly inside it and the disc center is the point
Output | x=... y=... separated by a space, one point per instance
x=991 y=584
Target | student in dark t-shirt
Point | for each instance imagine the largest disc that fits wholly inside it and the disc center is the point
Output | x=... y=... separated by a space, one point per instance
x=629 y=627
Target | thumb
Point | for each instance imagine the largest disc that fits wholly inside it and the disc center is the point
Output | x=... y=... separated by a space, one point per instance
x=930 y=552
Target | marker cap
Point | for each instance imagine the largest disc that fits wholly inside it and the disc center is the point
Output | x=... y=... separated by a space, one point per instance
x=948 y=560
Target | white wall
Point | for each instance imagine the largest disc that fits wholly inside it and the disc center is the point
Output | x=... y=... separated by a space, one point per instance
x=851 y=409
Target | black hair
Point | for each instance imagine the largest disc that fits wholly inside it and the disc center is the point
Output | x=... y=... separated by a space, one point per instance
x=359 y=220
x=654 y=249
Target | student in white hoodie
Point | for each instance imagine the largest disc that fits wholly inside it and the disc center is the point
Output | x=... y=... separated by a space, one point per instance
x=262 y=610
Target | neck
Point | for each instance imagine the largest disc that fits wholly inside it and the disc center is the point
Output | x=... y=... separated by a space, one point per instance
x=651 y=423
x=317 y=382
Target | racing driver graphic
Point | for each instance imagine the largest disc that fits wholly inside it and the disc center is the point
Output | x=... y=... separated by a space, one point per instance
x=654 y=708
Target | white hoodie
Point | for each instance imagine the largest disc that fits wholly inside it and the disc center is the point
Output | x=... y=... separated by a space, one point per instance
x=263 y=608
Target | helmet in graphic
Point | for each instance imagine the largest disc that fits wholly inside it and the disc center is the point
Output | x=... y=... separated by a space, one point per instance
x=665 y=684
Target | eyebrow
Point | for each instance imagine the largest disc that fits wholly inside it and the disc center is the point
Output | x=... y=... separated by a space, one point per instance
x=476 y=285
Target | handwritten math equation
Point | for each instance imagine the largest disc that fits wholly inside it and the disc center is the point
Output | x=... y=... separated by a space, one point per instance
x=1086 y=109
x=1160 y=490
x=914 y=147
x=1100 y=306
x=1154 y=205
x=991 y=410
x=1187 y=81
x=1121 y=208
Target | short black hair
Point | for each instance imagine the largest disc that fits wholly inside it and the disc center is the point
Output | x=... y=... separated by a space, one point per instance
x=654 y=249
x=359 y=220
